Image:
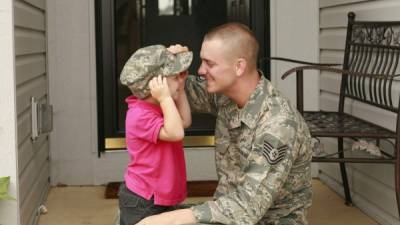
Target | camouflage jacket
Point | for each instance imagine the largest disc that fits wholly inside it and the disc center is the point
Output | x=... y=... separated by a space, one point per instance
x=262 y=155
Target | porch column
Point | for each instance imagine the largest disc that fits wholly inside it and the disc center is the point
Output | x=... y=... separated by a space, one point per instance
x=8 y=131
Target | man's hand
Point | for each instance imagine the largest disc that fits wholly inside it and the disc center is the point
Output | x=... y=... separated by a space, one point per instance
x=176 y=217
x=175 y=49
x=159 y=88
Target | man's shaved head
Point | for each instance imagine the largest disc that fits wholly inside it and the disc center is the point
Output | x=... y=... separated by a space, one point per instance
x=238 y=40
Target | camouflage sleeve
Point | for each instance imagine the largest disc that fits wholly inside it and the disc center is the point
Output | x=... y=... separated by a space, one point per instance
x=267 y=168
x=199 y=99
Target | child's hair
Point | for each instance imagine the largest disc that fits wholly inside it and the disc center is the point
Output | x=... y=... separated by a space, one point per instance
x=149 y=62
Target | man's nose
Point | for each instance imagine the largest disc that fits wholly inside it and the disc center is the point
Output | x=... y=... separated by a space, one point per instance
x=201 y=70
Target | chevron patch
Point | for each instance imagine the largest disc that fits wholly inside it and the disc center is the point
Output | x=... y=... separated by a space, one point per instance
x=274 y=155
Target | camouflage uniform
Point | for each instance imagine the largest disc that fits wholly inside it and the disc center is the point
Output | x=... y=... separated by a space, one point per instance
x=262 y=155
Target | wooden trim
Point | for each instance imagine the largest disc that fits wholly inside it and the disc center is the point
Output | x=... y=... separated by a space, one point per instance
x=188 y=141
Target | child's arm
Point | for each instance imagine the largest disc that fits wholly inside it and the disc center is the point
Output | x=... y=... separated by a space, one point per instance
x=173 y=128
x=182 y=103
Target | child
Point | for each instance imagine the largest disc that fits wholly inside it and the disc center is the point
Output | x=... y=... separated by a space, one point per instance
x=158 y=112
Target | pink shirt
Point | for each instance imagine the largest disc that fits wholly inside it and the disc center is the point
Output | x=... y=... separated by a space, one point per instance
x=156 y=168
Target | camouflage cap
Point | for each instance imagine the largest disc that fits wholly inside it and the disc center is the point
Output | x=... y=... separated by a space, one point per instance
x=149 y=62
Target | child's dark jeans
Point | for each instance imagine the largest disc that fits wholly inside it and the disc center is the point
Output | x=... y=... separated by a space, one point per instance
x=134 y=208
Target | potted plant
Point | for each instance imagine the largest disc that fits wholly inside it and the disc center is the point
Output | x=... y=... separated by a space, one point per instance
x=4 y=183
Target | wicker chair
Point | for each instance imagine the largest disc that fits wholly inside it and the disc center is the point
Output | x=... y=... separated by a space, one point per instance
x=370 y=74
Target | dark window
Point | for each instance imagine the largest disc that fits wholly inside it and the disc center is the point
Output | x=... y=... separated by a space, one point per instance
x=123 y=26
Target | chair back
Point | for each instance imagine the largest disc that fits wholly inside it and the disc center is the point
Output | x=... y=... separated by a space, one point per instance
x=372 y=49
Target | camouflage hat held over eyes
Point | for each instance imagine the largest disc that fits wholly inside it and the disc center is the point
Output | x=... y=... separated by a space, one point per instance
x=149 y=62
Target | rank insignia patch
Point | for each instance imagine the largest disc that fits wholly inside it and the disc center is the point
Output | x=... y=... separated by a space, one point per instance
x=274 y=155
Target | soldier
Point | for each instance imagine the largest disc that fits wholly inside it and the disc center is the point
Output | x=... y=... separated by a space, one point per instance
x=262 y=144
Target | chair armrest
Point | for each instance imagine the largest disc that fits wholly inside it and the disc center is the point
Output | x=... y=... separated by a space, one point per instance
x=297 y=61
x=334 y=70
x=299 y=79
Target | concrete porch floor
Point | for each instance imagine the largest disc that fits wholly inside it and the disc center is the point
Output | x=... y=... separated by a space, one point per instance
x=86 y=206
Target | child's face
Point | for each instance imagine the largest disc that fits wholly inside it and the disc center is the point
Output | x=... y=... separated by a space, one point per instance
x=175 y=83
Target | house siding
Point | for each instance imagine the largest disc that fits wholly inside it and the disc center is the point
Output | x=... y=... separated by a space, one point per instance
x=372 y=186
x=8 y=133
x=31 y=81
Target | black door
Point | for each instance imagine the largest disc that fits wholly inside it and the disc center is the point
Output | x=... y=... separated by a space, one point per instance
x=123 y=26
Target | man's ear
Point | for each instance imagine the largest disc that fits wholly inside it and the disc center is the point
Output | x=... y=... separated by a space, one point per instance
x=240 y=66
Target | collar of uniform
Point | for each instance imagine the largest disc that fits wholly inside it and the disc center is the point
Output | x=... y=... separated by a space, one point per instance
x=251 y=111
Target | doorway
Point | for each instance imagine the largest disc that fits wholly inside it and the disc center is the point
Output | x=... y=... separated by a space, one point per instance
x=123 y=26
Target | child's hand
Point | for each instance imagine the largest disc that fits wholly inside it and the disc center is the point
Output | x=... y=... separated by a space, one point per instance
x=159 y=88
